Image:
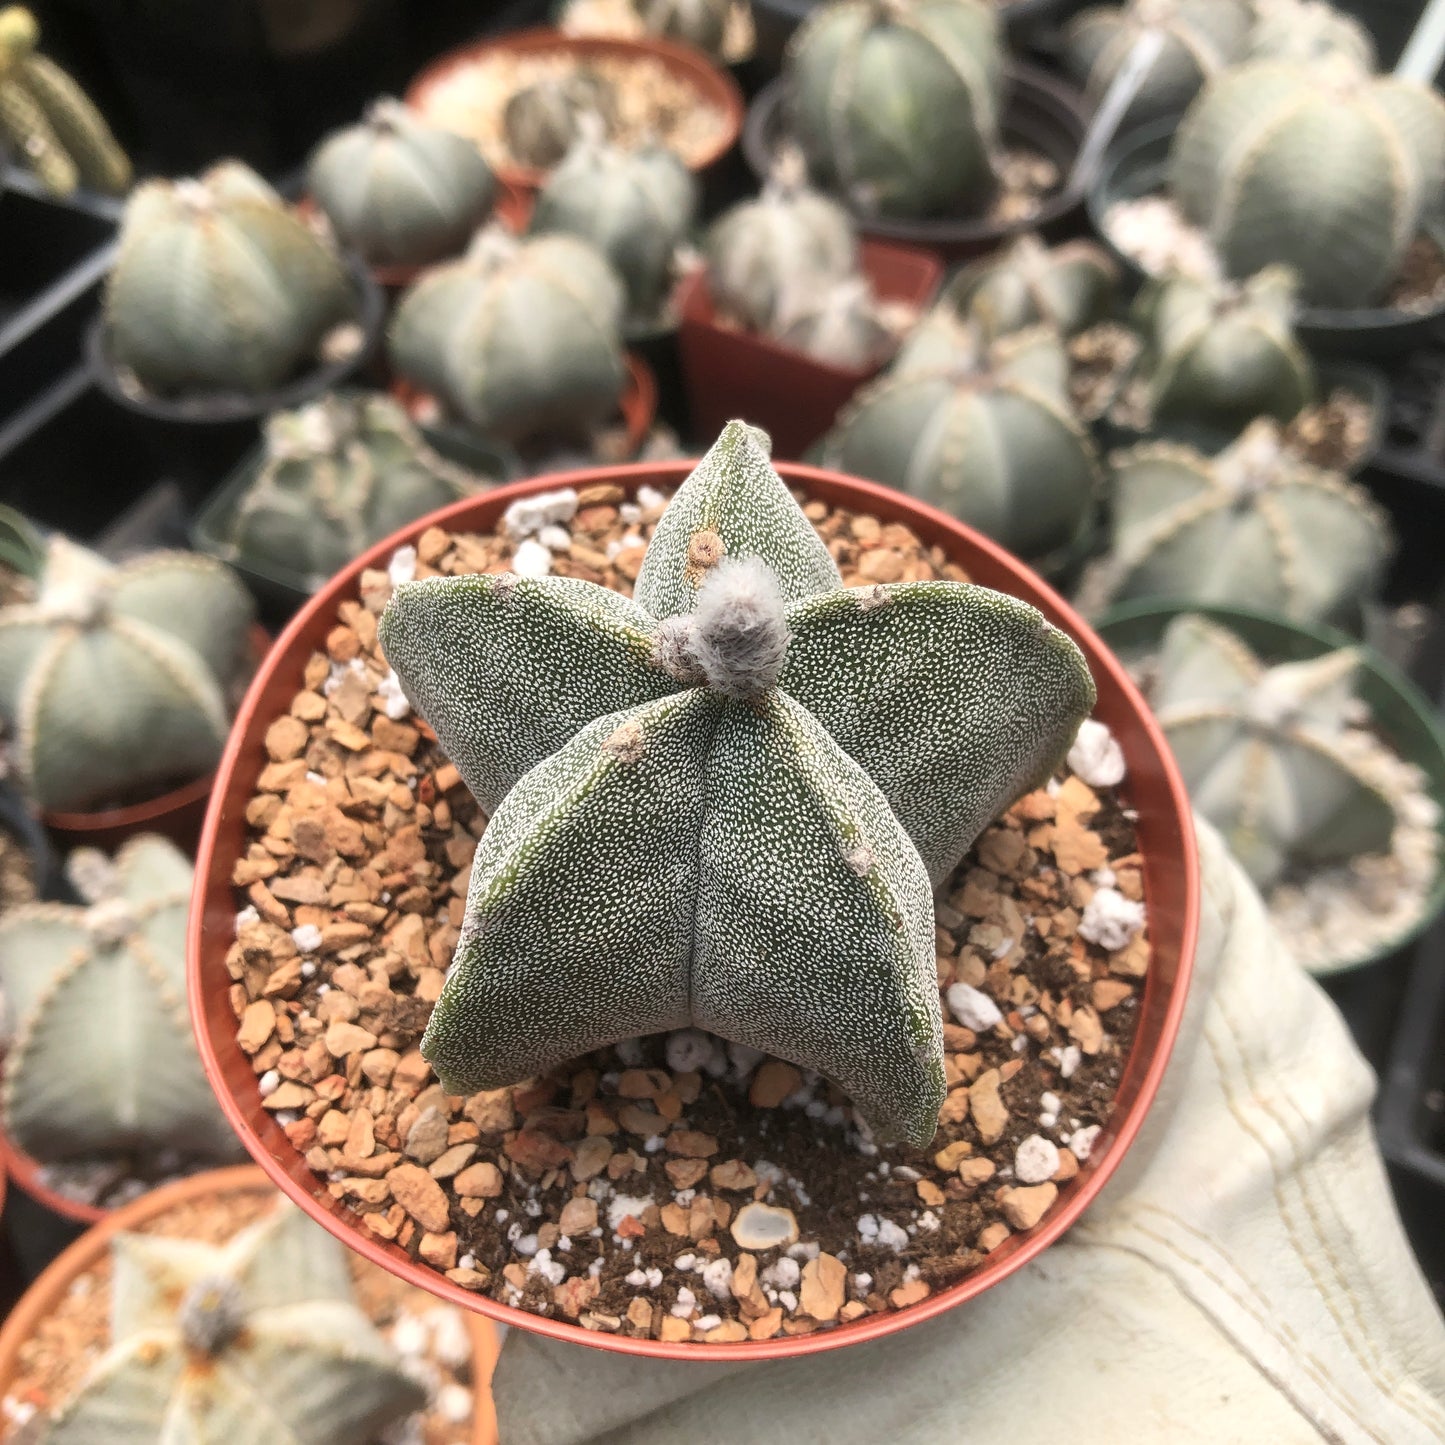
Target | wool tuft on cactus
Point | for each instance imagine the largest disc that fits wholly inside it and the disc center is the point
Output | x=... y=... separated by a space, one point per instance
x=115 y=678
x=722 y=803
x=251 y=1342
x=1256 y=747
x=101 y=1060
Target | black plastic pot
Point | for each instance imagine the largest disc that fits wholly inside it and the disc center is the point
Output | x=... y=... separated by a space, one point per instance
x=24 y=827
x=1040 y=112
x=1137 y=165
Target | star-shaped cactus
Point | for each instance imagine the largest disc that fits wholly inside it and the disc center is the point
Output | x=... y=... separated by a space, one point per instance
x=723 y=803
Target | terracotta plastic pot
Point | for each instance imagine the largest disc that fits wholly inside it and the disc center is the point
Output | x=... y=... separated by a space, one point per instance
x=712 y=84
x=177 y=814
x=1165 y=836
x=45 y=1294
x=731 y=372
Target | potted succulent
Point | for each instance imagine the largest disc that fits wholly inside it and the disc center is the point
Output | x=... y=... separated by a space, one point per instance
x=722 y=29
x=213 y=1302
x=609 y=1200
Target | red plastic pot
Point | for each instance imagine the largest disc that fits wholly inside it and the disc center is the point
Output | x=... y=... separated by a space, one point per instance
x=1166 y=841
x=712 y=84
x=731 y=372
x=42 y=1298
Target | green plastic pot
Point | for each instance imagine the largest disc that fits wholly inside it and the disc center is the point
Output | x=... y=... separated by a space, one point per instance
x=1402 y=713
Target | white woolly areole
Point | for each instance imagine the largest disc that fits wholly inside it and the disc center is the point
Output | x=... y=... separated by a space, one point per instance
x=740 y=630
x=1111 y=920
x=1096 y=757
x=211 y=1315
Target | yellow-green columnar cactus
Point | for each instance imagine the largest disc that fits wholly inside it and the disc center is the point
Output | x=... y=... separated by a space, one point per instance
x=724 y=802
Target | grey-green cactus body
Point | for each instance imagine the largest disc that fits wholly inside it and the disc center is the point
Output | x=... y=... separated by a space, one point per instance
x=544 y=120
x=700 y=23
x=841 y=324
x=1067 y=287
x=701 y=811
x=896 y=102
x=1307 y=32
x=399 y=191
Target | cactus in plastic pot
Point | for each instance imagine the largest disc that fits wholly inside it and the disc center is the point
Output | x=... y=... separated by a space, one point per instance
x=1201 y=38
x=1308 y=31
x=841 y=324
x=1252 y=527
x=1256 y=747
x=54 y=127
x=337 y=476
x=896 y=102
x=520 y=337
x=218 y=285
x=636 y=206
x=788 y=238
x=115 y=678
x=250 y=1342
x=1323 y=167
x=982 y=430
x=100 y=1058
x=542 y=121
x=1068 y=287
x=703 y=808
x=699 y=23
x=1220 y=353
x=399 y=191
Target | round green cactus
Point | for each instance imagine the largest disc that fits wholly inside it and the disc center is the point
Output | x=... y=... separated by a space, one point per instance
x=337 y=476
x=1201 y=38
x=1219 y=354
x=699 y=23
x=1068 y=287
x=896 y=102
x=982 y=430
x=101 y=1060
x=521 y=338
x=114 y=679
x=1306 y=32
x=1257 y=750
x=543 y=121
x=786 y=240
x=636 y=206
x=723 y=802
x=218 y=285
x=399 y=191
x=1253 y=527
x=251 y=1342
x=1321 y=167
x=841 y=324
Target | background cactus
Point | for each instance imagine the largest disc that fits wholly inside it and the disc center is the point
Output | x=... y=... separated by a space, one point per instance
x=896 y=102
x=218 y=285
x=1219 y=354
x=101 y=1060
x=521 y=338
x=542 y=121
x=982 y=430
x=840 y=324
x=700 y=23
x=655 y=767
x=1253 y=527
x=1322 y=167
x=1201 y=37
x=52 y=124
x=1068 y=287
x=789 y=238
x=337 y=476
x=1308 y=31
x=399 y=191
x=636 y=206
x=1256 y=748
x=245 y=1343
x=114 y=679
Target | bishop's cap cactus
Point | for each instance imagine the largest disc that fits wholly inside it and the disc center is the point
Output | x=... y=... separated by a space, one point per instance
x=702 y=24
x=542 y=121
x=703 y=810
x=1068 y=287
x=1307 y=32
x=842 y=324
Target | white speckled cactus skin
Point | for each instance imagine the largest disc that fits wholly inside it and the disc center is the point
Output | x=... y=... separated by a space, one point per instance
x=1253 y=527
x=982 y=430
x=1256 y=748
x=1201 y=38
x=544 y=120
x=896 y=102
x=101 y=1059
x=114 y=678
x=1320 y=167
x=636 y=206
x=789 y=237
x=521 y=338
x=400 y=191
x=700 y=23
x=1067 y=287
x=1222 y=353
x=1308 y=31
x=218 y=286
x=339 y=475
x=254 y=1342
x=701 y=811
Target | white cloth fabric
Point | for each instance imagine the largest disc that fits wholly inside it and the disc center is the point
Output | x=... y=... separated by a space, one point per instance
x=1244 y=1278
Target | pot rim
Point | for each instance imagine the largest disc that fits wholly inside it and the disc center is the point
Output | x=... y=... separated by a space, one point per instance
x=55 y=1279
x=25 y=1170
x=1173 y=889
x=711 y=81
